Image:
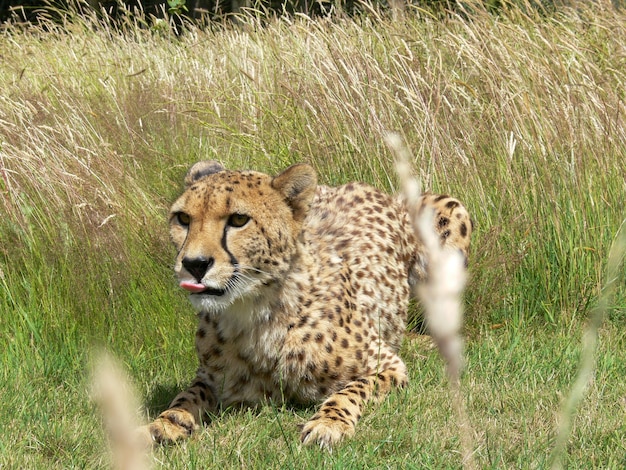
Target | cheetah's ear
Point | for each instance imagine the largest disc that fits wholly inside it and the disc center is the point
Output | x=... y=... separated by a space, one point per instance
x=297 y=185
x=202 y=169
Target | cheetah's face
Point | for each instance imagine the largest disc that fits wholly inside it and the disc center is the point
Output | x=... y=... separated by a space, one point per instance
x=236 y=231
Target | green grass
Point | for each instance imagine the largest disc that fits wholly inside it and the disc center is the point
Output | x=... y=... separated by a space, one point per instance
x=520 y=116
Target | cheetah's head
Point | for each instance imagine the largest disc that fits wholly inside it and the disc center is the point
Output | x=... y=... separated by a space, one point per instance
x=236 y=231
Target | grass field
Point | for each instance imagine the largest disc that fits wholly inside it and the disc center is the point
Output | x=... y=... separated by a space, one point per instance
x=520 y=115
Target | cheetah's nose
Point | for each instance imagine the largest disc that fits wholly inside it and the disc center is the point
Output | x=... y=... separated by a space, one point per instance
x=198 y=267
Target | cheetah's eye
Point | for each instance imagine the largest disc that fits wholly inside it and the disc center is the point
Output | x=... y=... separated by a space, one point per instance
x=238 y=220
x=183 y=219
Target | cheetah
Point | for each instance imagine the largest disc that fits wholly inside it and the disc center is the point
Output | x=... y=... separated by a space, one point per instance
x=301 y=292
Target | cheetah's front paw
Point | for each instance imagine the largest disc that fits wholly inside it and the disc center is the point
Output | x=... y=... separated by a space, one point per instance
x=326 y=432
x=170 y=426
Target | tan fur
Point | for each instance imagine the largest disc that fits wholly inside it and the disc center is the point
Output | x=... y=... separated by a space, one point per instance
x=316 y=288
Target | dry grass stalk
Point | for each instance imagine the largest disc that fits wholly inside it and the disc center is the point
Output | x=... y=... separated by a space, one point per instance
x=441 y=294
x=118 y=403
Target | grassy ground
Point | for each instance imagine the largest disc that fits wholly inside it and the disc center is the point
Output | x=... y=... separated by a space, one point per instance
x=521 y=116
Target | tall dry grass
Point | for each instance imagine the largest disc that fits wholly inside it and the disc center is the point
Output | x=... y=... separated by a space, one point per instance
x=521 y=116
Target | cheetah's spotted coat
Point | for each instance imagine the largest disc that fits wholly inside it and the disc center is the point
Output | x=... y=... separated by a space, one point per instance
x=302 y=293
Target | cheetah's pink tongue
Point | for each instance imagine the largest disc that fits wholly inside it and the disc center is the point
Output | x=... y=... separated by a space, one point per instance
x=192 y=286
